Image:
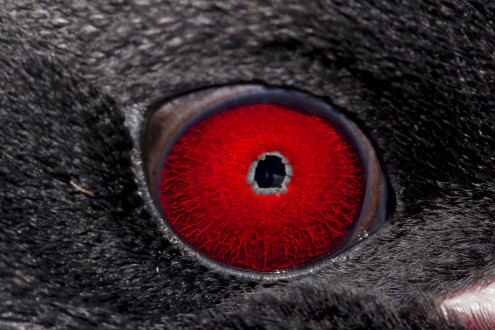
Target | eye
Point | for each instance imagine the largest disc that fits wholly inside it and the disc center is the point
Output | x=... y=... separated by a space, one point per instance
x=261 y=180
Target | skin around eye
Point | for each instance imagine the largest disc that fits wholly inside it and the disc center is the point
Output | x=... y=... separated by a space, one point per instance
x=265 y=180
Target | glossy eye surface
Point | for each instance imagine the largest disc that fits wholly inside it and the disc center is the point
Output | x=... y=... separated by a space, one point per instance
x=262 y=179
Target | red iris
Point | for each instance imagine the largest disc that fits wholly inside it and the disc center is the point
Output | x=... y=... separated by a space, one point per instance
x=207 y=199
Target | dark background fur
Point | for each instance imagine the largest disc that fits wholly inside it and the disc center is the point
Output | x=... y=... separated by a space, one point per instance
x=418 y=76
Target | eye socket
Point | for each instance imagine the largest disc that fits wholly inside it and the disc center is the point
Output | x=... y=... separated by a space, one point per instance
x=261 y=180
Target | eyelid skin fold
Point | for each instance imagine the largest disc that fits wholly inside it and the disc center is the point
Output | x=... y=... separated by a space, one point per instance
x=166 y=125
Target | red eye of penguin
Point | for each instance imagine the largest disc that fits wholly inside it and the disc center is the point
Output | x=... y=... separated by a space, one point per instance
x=263 y=179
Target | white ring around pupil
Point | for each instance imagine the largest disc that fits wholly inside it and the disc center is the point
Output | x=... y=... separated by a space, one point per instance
x=250 y=179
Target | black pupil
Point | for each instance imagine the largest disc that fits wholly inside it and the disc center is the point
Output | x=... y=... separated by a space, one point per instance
x=270 y=173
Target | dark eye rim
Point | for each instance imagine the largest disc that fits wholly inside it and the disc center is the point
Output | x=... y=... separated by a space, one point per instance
x=239 y=94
